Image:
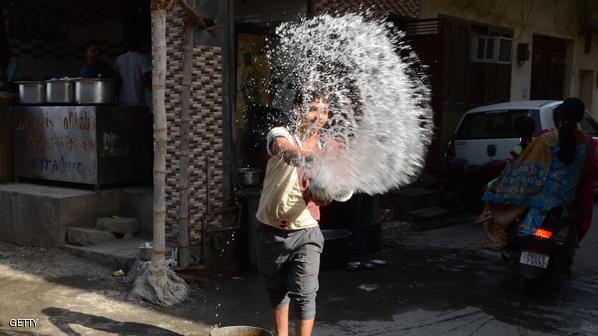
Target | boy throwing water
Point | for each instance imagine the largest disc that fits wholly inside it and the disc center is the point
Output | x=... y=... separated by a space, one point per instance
x=290 y=240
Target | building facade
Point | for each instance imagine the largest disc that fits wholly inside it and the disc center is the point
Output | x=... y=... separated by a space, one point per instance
x=553 y=47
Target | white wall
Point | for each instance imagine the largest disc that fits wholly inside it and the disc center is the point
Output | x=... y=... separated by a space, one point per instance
x=585 y=61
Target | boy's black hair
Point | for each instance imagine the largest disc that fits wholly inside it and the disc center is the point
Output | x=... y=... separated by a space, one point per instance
x=301 y=97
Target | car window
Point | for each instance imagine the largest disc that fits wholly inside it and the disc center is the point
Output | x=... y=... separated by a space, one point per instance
x=589 y=126
x=493 y=124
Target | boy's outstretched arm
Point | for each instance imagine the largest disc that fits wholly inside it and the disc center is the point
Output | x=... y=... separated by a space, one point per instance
x=289 y=152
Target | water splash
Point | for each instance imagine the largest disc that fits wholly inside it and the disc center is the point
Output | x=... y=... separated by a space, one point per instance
x=381 y=121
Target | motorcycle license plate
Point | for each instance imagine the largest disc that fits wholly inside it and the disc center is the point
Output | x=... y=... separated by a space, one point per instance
x=534 y=259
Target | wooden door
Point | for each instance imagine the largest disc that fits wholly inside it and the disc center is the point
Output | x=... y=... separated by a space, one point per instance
x=548 y=67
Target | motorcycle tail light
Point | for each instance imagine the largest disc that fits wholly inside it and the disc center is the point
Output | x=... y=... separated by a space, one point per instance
x=542 y=233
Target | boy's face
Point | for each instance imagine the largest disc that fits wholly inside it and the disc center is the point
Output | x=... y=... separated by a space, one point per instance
x=316 y=115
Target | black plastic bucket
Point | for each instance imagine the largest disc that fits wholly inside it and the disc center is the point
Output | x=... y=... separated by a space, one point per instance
x=337 y=249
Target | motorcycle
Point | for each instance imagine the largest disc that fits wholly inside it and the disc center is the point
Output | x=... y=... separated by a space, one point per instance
x=549 y=251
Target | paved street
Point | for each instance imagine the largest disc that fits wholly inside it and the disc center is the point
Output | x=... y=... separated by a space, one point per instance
x=438 y=283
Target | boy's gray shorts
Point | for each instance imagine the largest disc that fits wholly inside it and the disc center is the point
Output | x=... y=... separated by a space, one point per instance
x=289 y=263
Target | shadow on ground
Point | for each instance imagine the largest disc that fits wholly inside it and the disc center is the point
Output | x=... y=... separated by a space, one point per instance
x=64 y=318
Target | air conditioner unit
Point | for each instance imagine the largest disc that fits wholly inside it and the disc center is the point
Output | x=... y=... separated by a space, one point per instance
x=491 y=49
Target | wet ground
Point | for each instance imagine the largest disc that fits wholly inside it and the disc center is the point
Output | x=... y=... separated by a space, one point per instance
x=438 y=282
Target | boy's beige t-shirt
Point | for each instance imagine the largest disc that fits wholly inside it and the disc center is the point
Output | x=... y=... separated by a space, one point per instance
x=281 y=203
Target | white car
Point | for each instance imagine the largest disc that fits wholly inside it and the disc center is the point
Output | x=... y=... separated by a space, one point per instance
x=487 y=133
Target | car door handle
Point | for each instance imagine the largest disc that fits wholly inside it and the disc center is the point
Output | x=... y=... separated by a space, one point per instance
x=491 y=150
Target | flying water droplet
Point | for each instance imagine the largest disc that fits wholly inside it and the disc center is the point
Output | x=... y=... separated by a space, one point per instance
x=380 y=120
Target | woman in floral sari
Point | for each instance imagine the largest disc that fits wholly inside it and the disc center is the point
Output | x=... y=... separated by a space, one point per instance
x=546 y=175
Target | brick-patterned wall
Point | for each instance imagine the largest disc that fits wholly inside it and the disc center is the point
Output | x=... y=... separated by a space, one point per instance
x=401 y=7
x=174 y=78
x=206 y=131
x=206 y=141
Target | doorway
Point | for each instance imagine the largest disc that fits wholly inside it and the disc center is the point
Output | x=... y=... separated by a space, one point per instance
x=548 y=67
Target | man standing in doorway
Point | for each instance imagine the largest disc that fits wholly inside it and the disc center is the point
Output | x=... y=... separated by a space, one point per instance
x=95 y=67
x=135 y=69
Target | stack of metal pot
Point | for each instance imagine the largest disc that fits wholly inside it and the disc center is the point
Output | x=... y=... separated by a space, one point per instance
x=83 y=91
x=60 y=91
x=94 y=91
x=32 y=92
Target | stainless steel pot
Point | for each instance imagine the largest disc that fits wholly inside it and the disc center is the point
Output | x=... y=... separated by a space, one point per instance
x=239 y=331
x=60 y=91
x=32 y=92
x=250 y=177
x=94 y=91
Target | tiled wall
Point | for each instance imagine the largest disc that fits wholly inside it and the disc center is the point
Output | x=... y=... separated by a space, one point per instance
x=401 y=7
x=174 y=78
x=206 y=137
x=206 y=144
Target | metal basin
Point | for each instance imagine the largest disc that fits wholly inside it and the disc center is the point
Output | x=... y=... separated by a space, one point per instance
x=60 y=91
x=250 y=177
x=94 y=91
x=240 y=331
x=336 y=234
x=32 y=92
x=337 y=249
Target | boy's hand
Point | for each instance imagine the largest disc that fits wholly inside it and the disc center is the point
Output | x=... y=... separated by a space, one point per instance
x=322 y=202
x=313 y=195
